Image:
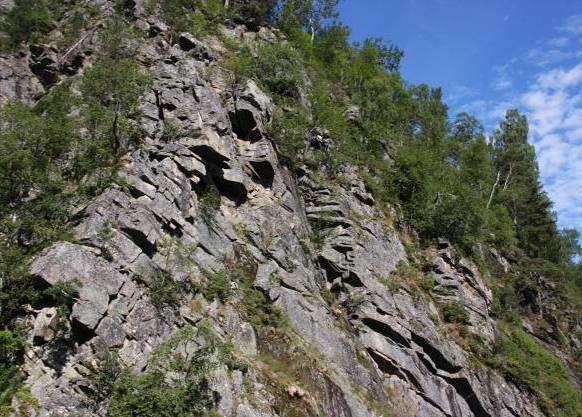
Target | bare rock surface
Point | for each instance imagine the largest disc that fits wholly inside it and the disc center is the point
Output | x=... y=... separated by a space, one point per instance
x=375 y=343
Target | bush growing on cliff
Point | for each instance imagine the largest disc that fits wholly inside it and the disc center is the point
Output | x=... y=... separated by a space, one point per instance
x=199 y=17
x=11 y=348
x=217 y=285
x=536 y=369
x=455 y=312
x=111 y=91
x=176 y=384
x=276 y=66
x=289 y=129
x=28 y=21
x=48 y=155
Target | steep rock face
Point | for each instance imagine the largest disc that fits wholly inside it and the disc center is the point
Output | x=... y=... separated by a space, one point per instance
x=322 y=252
x=17 y=82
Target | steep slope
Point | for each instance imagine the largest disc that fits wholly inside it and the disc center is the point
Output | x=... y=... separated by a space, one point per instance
x=264 y=291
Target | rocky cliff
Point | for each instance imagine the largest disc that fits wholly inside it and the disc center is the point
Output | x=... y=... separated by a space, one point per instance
x=209 y=217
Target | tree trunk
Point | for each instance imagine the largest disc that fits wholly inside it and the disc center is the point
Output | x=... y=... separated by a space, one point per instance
x=493 y=189
x=116 y=137
x=506 y=184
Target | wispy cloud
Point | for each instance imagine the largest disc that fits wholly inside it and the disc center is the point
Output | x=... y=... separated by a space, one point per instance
x=545 y=56
x=563 y=46
x=552 y=100
x=460 y=93
x=572 y=25
x=553 y=104
x=560 y=78
x=558 y=42
x=502 y=80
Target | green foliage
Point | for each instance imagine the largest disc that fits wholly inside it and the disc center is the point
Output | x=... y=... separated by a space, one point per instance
x=209 y=200
x=11 y=348
x=391 y=284
x=32 y=144
x=102 y=378
x=168 y=285
x=258 y=310
x=521 y=192
x=254 y=304
x=172 y=131
x=252 y=12
x=217 y=285
x=454 y=312
x=175 y=384
x=428 y=283
x=163 y=289
x=63 y=295
x=199 y=17
x=306 y=14
x=571 y=246
x=289 y=129
x=28 y=21
x=536 y=369
x=148 y=395
x=276 y=66
x=111 y=89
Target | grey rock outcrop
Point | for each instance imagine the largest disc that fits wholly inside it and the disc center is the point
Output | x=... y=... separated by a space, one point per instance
x=325 y=254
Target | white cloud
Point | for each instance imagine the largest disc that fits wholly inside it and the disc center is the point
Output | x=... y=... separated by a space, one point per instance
x=487 y=111
x=553 y=104
x=559 y=42
x=552 y=52
x=560 y=78
x=502 y=80
x=552 y=101
x=460 y=92
x=545 y=56
x=572 y=25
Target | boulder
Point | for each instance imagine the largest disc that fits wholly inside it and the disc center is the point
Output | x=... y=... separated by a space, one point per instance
x=45 y=325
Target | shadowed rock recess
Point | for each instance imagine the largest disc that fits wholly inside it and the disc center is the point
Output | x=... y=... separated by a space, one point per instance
x=214 y=216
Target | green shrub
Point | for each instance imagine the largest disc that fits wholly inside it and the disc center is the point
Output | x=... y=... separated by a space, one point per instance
x=254 y=304
x=199 y=17
x=147 y=395
x=163 y=289
x=288 y=130
x=258 y=310
x=102 y=378
x=11 y=348
x=428 y=283
x=534 y=368
x=278 y=67
x=172 y=281
x=454 y=312
x=175 y=384
x=208 y=198
x=172 y=131
x=217 y=285
x=28 y=21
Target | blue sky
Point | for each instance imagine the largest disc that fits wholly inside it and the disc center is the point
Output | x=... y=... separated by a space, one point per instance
x=490 y=55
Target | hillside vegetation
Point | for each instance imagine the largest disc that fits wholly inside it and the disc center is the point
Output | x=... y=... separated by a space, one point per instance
x=443 y=174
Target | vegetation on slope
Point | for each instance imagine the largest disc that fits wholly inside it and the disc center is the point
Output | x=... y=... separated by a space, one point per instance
x=446 y=177
x=59 y=151
x=534 y=368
